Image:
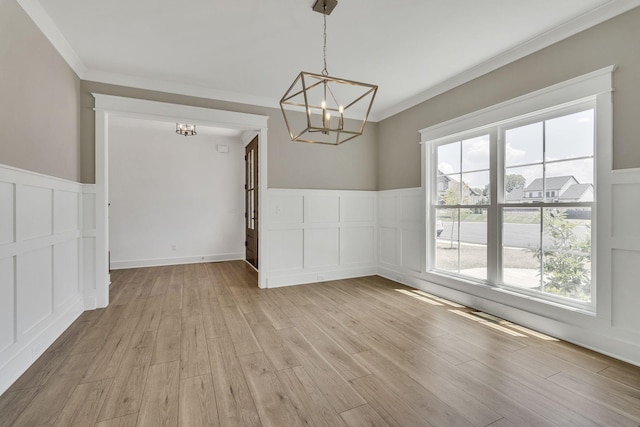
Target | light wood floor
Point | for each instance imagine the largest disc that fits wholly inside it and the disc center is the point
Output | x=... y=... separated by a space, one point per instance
x=202 y=345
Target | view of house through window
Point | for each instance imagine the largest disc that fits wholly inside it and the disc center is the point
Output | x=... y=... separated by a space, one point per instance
x=542 y=212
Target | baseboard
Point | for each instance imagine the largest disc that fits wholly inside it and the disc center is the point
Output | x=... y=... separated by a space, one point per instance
x=139 y=263
x=22 y=358
x=277 y=281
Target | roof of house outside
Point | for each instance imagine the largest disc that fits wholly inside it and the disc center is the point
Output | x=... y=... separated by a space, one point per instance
x=515 y=195
x=553 y=183
x=575 y=191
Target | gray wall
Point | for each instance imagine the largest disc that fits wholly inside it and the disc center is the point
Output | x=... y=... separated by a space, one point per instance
x=350 y=166
x=612 y=42
x=39 y=100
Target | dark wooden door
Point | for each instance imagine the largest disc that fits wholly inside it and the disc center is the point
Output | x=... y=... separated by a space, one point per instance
x=251 y=201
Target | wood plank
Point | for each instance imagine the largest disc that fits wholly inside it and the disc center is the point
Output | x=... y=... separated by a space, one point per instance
x=38 y=373
x=47 y=404
x=159 y=405
x=169 y=338
x=421 y=359
x=191 y=299
x=363 y=415
x=621 y=398
x=276 y=316
x=346 y=339
x=194 y=357
x=425 y=403
x=517 y=371
x=552 y=410
x=82 y=407
x=392 y=408
x=126 y=421
x=239 y=331
x=280 y=297
x=624 y=373
x=347 y=366
x=161 y=281
x=271 y=398
x=213 y=319
x=198 y=407
x=12 y=403
x=108 y=358
x=466 y=404
x=151 y=313
x=235 y=404
x=280 y=356
x=126 y=392
x=311 y=405
x=338 y=392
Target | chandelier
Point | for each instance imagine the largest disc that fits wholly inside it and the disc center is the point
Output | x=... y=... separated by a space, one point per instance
x=186 y=129
x=323 y=109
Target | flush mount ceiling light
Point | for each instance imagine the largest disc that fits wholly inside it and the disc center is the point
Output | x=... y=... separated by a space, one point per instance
x=186 y=129
x=326 y=101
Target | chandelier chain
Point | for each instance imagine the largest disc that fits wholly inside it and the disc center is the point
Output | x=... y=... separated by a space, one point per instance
x=325 y=72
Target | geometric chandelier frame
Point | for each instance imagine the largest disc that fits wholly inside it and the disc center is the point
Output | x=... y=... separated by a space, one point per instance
x=319 y=108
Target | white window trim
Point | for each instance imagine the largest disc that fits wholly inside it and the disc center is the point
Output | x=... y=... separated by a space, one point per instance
x=597 y=86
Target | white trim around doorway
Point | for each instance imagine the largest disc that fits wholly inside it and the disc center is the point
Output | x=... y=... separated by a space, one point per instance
x=107 y=106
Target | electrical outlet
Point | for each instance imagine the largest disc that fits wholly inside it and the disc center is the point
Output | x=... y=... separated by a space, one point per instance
x=320 y=277
x=173 y=248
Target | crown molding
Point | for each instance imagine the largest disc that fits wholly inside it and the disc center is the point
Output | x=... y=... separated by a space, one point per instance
x=43 y=21
x=587 y=20
x=178 y=88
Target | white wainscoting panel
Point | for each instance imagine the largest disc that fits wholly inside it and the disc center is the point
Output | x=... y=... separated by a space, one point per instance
x=626 y=207
x=285 y=209
x=625 y=297
x=6 y=212
x=34 y=211
x=388 y=238
x=66 y=268
x=400 y=229
x=357 y=245
x=357 y=208
x=318 y=235
x=40 y=265
x=35 y=288
x=321 y=247
x=285 y=250
x=319 y=209
x=7 y=308
x=66 y=211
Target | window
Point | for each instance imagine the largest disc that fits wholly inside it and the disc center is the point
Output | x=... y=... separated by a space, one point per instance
x=541 y=213
x=512 y=190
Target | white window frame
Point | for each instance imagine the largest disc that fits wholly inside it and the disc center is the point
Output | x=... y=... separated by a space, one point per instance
x=595 y=88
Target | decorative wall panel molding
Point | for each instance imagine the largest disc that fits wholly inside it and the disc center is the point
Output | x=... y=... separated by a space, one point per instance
x=319 y=235
x=613 y=330
x=40 y=265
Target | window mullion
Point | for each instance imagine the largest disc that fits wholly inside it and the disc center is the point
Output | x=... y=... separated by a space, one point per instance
x=494 y=230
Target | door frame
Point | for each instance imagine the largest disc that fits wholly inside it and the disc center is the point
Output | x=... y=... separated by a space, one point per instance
x=247 y=139
x=109 y=105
